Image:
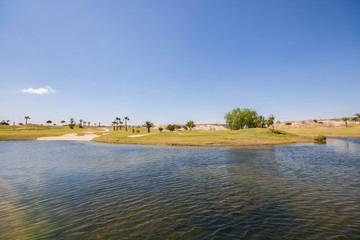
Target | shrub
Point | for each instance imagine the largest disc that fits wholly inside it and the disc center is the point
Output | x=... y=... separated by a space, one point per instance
x=315 y=121
x=320 y=123
x=137 y=131
x=133 y=130
x=320 y=139
x=288 y=123
x=171 y=127
x=160 y=129
x=185 y=127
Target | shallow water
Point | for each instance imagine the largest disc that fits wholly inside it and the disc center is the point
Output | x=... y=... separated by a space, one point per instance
x=73 y=190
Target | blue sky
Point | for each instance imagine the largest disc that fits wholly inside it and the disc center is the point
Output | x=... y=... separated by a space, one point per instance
x=174 y=61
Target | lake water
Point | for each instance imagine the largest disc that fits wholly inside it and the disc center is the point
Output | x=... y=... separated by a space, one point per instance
x=75 y=190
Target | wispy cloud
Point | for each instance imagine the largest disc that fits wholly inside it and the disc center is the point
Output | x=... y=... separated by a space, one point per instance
x=39 y=91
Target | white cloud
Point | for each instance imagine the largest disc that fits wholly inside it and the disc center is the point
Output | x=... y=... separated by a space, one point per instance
x=39 y=91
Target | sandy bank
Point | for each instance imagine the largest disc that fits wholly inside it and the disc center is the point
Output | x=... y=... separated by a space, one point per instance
x=70 y=137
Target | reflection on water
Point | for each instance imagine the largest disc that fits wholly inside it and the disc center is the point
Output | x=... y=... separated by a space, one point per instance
x=68 y=190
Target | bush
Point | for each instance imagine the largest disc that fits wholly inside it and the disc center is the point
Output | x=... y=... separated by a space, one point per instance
x=320 y=139
x=133 y=130
x=315 y=121
x=160 y=129
x=137 y=131
x=171 y=127
x=288 y=123
x=185 y=127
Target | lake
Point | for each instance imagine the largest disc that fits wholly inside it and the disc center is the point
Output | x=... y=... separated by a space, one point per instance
x=85 y=190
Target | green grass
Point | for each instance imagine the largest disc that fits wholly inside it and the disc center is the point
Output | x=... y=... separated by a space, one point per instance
x=351 y=131
x=32 y=132
x=244 y=137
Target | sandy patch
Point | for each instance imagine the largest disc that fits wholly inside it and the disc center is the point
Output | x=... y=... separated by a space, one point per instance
x=138 y=135
x=70 y=137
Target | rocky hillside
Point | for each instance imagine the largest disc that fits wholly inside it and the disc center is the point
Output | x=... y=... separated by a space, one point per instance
x=316 y=123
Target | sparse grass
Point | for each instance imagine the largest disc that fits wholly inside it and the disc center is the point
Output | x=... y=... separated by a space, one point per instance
x=244 y=137
x=350 y=131
x=32 y=132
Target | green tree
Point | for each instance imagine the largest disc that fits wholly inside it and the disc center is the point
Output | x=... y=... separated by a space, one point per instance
x=345 y=119
x=72 y=123
x=48 y=122
x=26 y=119
x=261 y=121
x=241 y=118
x=270 y=122
x=160 y=129
x=126 y=119
x=171 y=127
x=80 y=124
x=63 y=122
x=148 y=125
x=190 y=124
x=117 y=119
x=114 y=124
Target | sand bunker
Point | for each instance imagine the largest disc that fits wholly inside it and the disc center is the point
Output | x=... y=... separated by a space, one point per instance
x=70 y=137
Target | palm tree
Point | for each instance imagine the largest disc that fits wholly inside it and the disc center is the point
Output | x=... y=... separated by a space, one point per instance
x=148 y=125
x=48 y=122
x=126 y=119
x=63 y=122
x=345 y=119
x=114 y=123
x=72 y=123
x=120 y=122
x=26 y=118
x=117 y=119
x=190 y=124
x=80 y=125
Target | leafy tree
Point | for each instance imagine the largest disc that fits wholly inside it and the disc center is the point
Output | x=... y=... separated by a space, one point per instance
x=63 y=122
x=160 y=129
x=185 y=127
x=171 y=127
x=270 y=122
x=26 y=119
x=114 y=124
x=137 y=131
x=190 y=124
x=148 y=125
x=4 y=123
x=345 y=119
x=81 y=121
x=241 y=118
x=261 y=121
x=72 y=123
x=126 y=119
x=48 y=122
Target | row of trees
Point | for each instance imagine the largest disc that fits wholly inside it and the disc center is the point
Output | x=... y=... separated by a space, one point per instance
x=247 y=118
x=117 y=123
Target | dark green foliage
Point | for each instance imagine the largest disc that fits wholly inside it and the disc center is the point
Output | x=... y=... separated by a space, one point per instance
x=72 y=123
x=185 y=127
x=241 y=118
x=160 y=129
x=4 y=123
x=190 y=124
x=288 y=123
x=279 y=132
x=320 y=139
x=315 y=121
x=133 y=130
x=171 y=127
x=148 y=125
x=137 y=131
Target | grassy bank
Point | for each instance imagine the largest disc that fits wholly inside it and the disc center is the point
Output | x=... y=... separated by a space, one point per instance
x=351 y=131
x=32 y=132
x=244 y=137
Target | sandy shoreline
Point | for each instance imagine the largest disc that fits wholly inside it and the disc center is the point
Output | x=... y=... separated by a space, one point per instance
x=70 y=137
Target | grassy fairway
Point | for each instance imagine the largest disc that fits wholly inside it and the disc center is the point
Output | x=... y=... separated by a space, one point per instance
x=351 y=131
x=32 y=132
x=243 y=137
